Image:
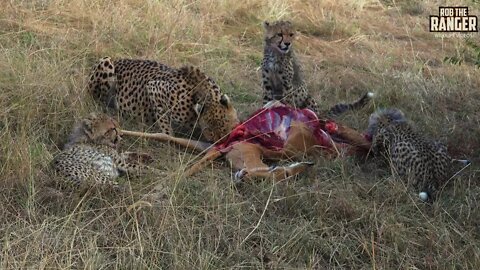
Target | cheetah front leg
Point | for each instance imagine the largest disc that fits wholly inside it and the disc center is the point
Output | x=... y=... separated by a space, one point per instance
x=311 y=104
x=158 y=113
x=273 y=86
x=162 y=121
x=135 y=163
x=267 y=91
x=378 y=145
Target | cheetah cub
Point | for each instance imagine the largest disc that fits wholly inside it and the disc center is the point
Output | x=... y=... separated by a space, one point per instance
x=91 y=155
x=413 y=156
x=282 y=77
x=281 y=74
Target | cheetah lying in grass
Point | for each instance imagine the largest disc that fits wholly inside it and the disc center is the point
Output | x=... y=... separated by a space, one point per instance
x=91 y=155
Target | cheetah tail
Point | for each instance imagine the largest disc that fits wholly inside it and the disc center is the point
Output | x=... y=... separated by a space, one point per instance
x=464 y=162
x=341 y=108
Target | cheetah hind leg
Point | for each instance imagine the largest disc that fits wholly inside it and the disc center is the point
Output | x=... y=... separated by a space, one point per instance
x=430 y=191
x=102 y=83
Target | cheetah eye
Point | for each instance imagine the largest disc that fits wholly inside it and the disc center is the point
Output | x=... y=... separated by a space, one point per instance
x=291 y=35
x=279 y=34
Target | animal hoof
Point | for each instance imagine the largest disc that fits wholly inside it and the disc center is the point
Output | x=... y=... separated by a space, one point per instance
x=299 y=164
x=239 y=175
x=138 y=158
x=272 y=168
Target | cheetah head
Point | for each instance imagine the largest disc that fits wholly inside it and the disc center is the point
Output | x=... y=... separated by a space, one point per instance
x=215 y=112
x=216 y=119
x=382 y=118
x=97 y=129
x=279 y=35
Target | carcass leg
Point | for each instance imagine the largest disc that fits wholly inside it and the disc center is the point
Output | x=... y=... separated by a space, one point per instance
x=247 y=159
x=356 y=143
x=353 y=137
x=162 y=137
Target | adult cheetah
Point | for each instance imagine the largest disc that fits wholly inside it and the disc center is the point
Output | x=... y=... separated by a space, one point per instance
x=175 y=100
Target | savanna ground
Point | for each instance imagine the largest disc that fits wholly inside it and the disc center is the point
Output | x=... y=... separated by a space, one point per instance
x=344 y=213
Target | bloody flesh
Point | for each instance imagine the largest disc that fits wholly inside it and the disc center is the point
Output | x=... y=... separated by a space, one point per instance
x=269 y=127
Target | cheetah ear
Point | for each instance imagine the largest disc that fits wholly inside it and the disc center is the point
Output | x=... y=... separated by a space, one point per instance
x=192 y=73
x=194 y=76
x=225 y=101
x=87 y=124
x=198 y=109
x=266 y=24
x=189 y=70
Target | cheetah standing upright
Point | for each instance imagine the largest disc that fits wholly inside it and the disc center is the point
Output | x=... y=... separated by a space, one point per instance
x=172 y=99
x=282 y=77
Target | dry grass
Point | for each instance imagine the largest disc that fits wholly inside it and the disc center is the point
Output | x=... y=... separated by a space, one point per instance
x=344 y=214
